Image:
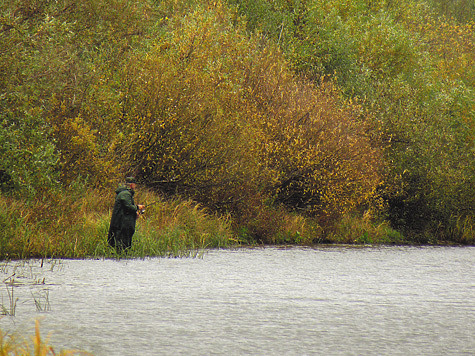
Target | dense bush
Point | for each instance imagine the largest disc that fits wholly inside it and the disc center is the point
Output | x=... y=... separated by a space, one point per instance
x=57 y=70
x=271 y=111
x=214 y=114
x=412 y=72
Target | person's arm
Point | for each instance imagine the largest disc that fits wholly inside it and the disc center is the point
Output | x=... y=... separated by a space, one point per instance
x=128 y=202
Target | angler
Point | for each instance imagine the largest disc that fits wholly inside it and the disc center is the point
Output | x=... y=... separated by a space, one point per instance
x=124 y=216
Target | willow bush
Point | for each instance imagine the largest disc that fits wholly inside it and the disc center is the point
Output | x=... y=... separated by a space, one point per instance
x=462 y=10
x=217 y=115
x=412 y=71
x=315 y=151
x=271 y=111
x=28 y=159
x=184 y=129
x=59 y=67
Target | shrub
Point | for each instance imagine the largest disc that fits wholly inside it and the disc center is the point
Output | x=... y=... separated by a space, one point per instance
x=213 y=115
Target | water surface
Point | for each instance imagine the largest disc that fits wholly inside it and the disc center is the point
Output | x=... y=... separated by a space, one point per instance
x=262 y=301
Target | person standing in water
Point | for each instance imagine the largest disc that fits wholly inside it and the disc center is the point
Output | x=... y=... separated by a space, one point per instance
x=124 y=216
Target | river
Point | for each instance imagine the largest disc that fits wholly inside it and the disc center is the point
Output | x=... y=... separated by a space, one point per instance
x=252 y=301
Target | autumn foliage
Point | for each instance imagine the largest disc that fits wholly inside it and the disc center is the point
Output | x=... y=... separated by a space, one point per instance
x=270 y=111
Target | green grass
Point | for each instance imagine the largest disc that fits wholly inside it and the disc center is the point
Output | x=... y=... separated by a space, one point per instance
x=356 y=230
x=75 y=225
x=69 y=226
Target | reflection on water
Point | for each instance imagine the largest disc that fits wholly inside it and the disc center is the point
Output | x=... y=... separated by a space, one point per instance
x=264 y=301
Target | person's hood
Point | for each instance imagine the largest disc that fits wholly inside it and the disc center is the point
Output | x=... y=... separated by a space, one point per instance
x=122 y=188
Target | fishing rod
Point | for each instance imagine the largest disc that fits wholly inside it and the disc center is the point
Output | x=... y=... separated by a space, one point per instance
x=147 y=205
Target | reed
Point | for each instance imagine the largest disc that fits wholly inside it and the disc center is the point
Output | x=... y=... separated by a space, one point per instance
x=353 y=229
x=10 y=308
x=75 y=225
x=463 y=230
x=41 y=301
x=179 y=228
x=14 y=345
x=297 y=229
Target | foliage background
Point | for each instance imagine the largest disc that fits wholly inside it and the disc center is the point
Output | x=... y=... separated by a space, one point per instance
x=290 y=118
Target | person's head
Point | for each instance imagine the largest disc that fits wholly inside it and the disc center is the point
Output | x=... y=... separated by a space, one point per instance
x=131 y=182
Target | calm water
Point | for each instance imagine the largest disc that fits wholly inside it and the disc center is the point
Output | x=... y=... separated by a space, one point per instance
x=264 y=301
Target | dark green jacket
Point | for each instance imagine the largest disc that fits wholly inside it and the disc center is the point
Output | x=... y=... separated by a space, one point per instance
x=124 y=213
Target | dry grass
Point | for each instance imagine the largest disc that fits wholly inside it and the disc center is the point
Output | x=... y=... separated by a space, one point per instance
x=352 y=229
x=12 y=345
x=75 y=225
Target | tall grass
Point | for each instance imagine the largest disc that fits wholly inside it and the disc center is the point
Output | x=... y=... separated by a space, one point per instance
x=13 y=345
x=75 y=225
x=463 y=230
x=353 y=229
x=177 y=228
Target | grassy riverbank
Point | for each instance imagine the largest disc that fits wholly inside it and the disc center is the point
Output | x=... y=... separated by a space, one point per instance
x=291 y=122
x=75 y=225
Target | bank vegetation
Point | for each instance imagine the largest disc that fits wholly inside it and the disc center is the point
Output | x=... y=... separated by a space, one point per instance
x=248 y=121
